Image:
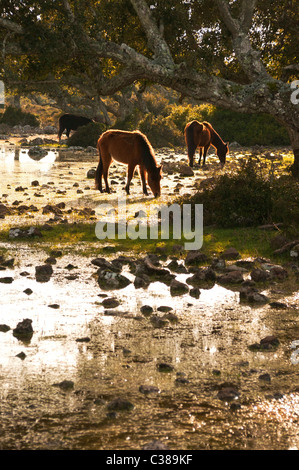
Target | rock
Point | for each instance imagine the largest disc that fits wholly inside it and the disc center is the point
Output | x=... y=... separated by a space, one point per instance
x=164 y=367
x=278 y=273
x=176 y=267
x=65 y=385
x=141 y=282
x=4 y=211
x=185 y=170
x=251 y=295
x=233 y=277
x=43 y=273
x=4 y=328
x=6 y=280
x=294 y=252
x=278 y=305
x=228 y=394
x=195 y=257
x=269 y=343
x=50 y=130
x=108 y=280
x=155 y=445
x=286 y=247
x=260 y=275
x=265 y=377
x=164 y=308
x=103 y=264
x=146 y=310
x=91 y=173
x=158 y=322
x=230 y=254
x=23 y=329
x=178 y=288
x=147 y=389
x=110 y=303
x=34 y=183
x=26 y=233
x=21 y=355
x=195 y=292
x=28 y=291
x=85 y=339
x=120 y=404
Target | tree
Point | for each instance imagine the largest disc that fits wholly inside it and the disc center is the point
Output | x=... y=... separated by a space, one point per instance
x=237 y=54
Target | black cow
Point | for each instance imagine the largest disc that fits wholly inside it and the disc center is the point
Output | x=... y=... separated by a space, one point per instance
x=70 y=122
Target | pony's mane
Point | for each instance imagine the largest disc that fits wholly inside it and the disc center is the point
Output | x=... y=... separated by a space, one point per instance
x=215 y=137
x=147 y=152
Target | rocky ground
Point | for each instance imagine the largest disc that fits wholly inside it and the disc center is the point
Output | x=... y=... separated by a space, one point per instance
x=115 y=350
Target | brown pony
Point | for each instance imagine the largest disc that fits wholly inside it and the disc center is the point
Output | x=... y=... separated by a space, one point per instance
x=132 y=149
x=201 y=135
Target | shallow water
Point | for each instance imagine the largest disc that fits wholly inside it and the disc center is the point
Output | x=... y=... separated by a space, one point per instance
x=208 y=344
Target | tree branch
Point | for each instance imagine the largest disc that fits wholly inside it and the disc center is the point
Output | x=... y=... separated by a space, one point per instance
x=156 y=41
x=11 y=26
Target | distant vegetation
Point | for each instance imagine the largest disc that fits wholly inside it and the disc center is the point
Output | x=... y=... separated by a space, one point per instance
x=163 y=121
x=15 y=116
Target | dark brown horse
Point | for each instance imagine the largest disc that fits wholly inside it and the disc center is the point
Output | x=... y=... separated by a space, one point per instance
x=132 y=149
x=71 y=122
x=200 y=135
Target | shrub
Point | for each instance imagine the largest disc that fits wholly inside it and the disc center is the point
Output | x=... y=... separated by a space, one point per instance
x=86 y=136
x=239 y=200
x=15 y=116
x=161 y=131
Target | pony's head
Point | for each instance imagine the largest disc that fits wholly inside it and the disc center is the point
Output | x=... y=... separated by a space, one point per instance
x=222 y=152
x=153 y=179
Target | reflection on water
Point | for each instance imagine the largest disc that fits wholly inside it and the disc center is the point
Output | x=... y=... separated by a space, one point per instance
x=120 y=353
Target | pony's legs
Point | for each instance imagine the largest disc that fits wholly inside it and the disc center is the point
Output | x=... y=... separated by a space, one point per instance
x=143 y=180
x=131 y=169
x=206 y=148
x=60 y=132
x=200 y=155
x=99 y=174
x=106 y=164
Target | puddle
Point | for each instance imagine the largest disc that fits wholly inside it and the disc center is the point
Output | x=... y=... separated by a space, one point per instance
x=110 y=354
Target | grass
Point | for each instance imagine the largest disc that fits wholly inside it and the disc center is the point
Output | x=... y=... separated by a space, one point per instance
x=80 y=237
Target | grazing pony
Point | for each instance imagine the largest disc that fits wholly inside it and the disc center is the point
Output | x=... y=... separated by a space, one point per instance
x=200 y=135
x=132 y=149
x=70 y=122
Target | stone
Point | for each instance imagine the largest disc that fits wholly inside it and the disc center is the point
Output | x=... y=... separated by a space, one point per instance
x=147 y=389
x=108 y=280
x=65 y=385
x=24 y=329
x=233 y=277
x=230 y=254
x=260 y=275
x=178 y=288
x=110 y=303
x=195 y=257
x=120 y=404
x=43 y=273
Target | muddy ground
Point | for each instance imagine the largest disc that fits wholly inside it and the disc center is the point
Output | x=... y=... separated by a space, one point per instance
x=100 y=371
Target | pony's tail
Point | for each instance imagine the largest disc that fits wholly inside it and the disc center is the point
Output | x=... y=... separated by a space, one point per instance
x=190 y=139
x=99 y=171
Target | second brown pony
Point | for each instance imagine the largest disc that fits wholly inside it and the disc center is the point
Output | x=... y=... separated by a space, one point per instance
x=132 y=149
x=200 y=135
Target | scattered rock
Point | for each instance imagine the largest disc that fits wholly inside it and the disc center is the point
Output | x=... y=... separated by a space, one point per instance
x=265 y=377
x=108 y=280
x=178 y=288
x=21 y=355
x=195 y=257
x=85 y=339
x=6 y=280
x=110 y=303
x=251 y=295
x=120 y=404
x=155 y=445
x=23 y=329
x=229 y=254
x=4 y=328
x=164 y=367
x=28 y=291
x=146 y=310
x=43 y=273
x=269 y=343
x=147 y=389
x=233 y=277
x=65 y=385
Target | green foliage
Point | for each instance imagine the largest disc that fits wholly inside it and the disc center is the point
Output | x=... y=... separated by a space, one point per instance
x=249 y=198
x=161 y=131
x=86 y=136
x=15 y=116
